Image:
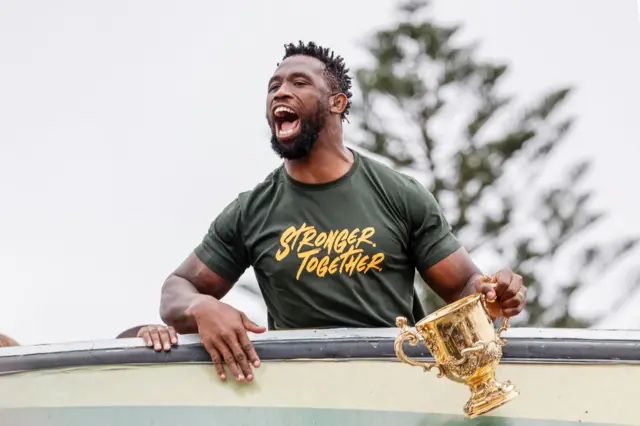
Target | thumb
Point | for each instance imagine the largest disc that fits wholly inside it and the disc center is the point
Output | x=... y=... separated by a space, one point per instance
x=486 y=286
x=251 y=326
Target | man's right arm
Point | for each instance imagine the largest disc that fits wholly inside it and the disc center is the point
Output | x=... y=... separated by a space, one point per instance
x=191 y=287
x=190 y=296
x=207 y=274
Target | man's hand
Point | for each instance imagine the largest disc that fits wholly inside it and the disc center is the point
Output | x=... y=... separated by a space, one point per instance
x=506 y=289
x=160 y=337
x=223 y=330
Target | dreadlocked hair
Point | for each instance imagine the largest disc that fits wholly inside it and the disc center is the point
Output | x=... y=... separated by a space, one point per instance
x=336 y=72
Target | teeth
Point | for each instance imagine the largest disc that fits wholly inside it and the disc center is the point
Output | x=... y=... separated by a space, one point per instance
x=285 y=132
x=280 y=111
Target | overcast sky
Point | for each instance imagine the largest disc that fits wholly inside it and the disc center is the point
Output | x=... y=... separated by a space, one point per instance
x=125 y=126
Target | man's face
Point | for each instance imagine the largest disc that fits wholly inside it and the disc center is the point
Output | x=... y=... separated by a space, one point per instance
x=297 y=106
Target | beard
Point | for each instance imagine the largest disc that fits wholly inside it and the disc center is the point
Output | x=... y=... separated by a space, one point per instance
x=303 y=144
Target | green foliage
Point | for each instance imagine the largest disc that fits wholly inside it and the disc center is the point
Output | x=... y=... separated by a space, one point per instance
x=435 y=110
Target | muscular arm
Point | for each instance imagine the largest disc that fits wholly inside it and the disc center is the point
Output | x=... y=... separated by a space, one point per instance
x=453 y=277
x=188 y=285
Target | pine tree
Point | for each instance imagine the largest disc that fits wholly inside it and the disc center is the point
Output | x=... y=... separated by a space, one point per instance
x=431 y=107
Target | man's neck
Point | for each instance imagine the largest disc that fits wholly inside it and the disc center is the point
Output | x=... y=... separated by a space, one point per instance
x=329 y=160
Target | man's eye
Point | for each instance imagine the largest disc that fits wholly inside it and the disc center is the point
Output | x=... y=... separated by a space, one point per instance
x=274 y=87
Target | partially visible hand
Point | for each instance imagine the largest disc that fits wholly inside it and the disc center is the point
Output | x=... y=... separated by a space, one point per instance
x=506 y=293
x=160 y=337
x=223 y=330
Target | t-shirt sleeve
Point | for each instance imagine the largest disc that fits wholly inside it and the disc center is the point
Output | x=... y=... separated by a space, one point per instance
x=431 y=239
x=222 y=249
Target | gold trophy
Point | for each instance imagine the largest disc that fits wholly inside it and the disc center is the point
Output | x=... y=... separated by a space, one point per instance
x=466 y=348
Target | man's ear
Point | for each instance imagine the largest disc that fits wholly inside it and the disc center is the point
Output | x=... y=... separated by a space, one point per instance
x=339 y=103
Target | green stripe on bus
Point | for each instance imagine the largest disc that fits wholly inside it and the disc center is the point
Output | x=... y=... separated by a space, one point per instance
x=250 y=416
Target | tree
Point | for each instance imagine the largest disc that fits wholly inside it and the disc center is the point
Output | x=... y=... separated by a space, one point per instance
x=432 y=108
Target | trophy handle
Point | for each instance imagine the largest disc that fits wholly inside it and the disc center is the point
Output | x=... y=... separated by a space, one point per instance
x=485 y=300
x=505 y=327
x=413 y=337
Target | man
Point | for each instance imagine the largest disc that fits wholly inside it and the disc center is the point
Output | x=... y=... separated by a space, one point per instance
x=334 y=237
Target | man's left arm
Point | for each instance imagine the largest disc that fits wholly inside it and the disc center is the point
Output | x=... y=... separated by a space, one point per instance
x=456 y=276
x=447 y=267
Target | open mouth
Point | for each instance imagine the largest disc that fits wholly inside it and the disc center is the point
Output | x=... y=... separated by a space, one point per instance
x=287 y=123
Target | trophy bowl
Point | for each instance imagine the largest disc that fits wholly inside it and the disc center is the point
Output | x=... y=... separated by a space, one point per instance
x=466 y=348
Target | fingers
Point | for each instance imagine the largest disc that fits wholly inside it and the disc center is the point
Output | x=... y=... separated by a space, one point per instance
x=509 y=285
x=506 y=289
x=515 y=305
x=503 y=280
x=229 y=359
x=144 y=333
x=511 y=292
x=165 y=338
x=240 y=357
x=155 y=338
x=236 y=351
x=159 y=337
x=508 y=313
x=173 y=335
x=511 y=303
x=249 y=350
x=224 y=334
x=486 y=286
x=216 y=360
x=251 y=326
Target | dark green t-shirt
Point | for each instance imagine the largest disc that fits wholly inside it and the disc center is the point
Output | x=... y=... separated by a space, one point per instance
x=340 y=254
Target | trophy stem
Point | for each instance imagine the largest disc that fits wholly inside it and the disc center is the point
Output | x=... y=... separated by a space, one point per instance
x=488 y=394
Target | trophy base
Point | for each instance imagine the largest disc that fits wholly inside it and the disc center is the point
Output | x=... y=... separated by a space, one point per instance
x=487 y=396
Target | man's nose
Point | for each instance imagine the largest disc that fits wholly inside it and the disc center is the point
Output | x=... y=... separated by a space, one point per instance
x=282 y=92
